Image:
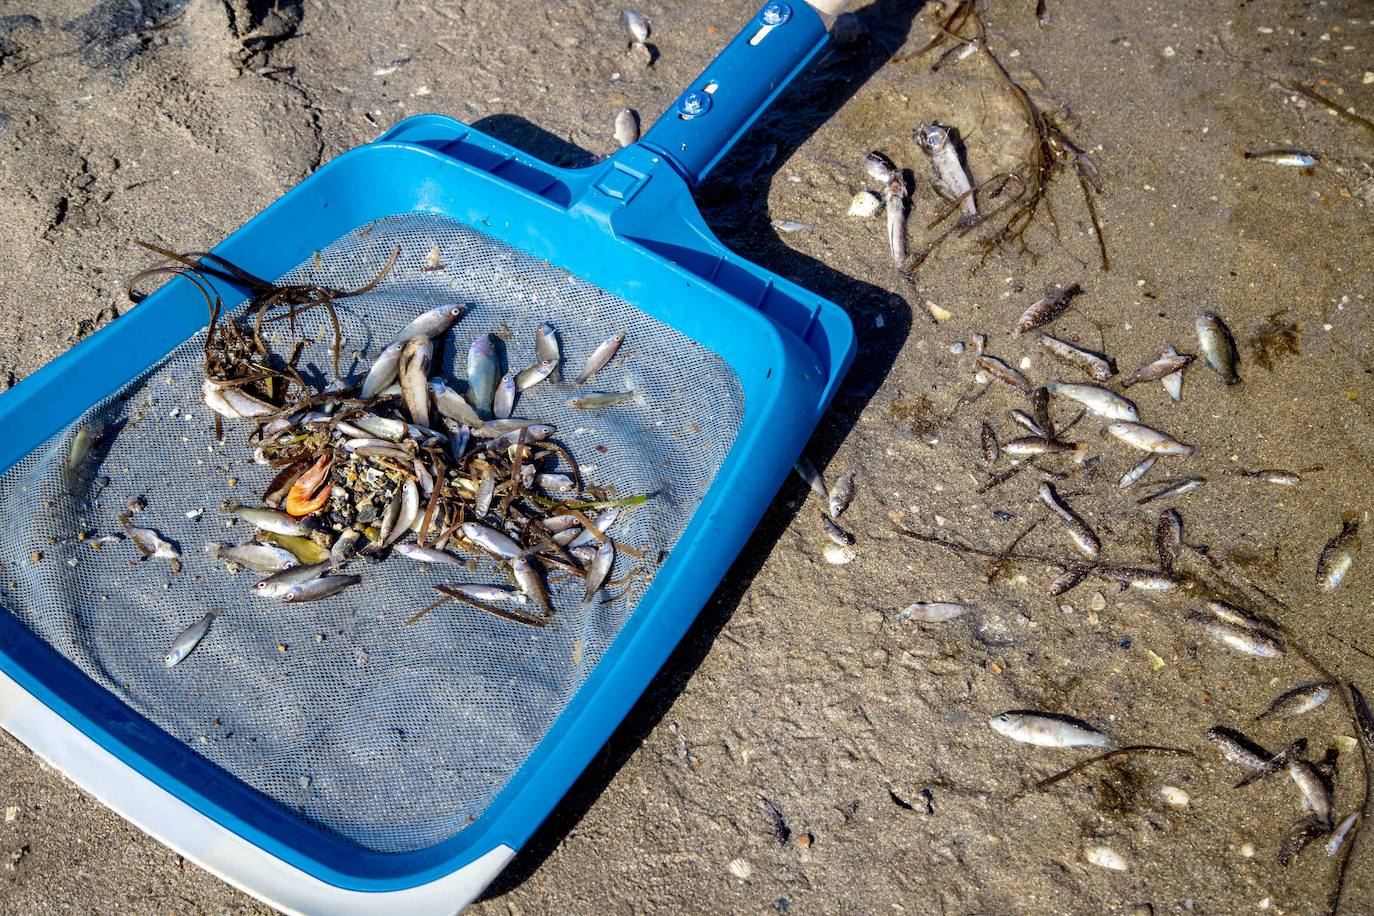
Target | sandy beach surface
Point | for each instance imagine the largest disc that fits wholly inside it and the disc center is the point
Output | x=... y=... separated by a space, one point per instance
x=805 y=750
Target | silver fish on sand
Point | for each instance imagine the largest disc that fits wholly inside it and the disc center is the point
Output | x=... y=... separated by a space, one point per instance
x=1068 y=580
x=933 y=611
x=271 y=520
x=601 y=356
x=1218 y=346
x=1144 y=580
x=186 y=643
x=1173 y=383
x=895 y=206
x=841 y=494
x=1338 y=836
x=935 y=141
x=1336 y=558
x=807 y=472
x=1083 y=537
x=1036 y=445
x=837 y=535
x=1178 y=488
x=1240 y=617
x=1100 y=401
x=415 y=379
x=791 y=225
x=1047 y=308
x=1293 y=158
x=636 y=25
x=599 y=569
x=263 y=558
x=1274 y=476
x=1131 y=477
x=278 y=584
x=323 y=587
x=503 y=402
x=1298 y=700
x=1098 y=366
x=1168 y=538
x=149 y=542
x=1046 y=730
x=1002 y=372
x=1246 y=641
x=1316 y=795
x=1147 y=439
x=483 y=373
x=1026 y=422
x=626 y=127
x=1167 y=363
x=1238 y=748
x=880 y=168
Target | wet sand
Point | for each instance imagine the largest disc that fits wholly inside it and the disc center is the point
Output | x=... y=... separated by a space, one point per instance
x=799 y=684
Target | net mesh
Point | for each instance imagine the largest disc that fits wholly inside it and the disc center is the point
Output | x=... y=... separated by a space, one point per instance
x=393 y=737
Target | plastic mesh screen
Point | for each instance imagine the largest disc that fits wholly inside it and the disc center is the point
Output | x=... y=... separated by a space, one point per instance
x=394 y=737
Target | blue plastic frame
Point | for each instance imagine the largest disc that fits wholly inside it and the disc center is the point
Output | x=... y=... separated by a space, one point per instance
x=627 y=225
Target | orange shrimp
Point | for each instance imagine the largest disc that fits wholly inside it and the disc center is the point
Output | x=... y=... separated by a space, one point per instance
x=311 y=491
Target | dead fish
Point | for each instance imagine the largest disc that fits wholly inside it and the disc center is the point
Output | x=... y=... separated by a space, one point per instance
x=503 y=402
x=1281 y=478
x=865 y=204
x=492 y=541
x=381 y=427
x=1168 y=538
x=992 y=450
x=1180 y=488
x=1316 y=795
x=1146 y=439
x=1167 y=363
x=1338 y=836
x=483 y=373
x=626 y=127
x=323 y=587
x=428 y=555
x=1218 y=346
x=429 y=325
x=1240 y=617
x=1364 y=718
x=80 y=448
x=279 y=583
x=1276 y=763
x=149 y=542
x=935 y=141
x=602 y=522
x=1145 y=580
x=1047 y=308
x=1100 y=401
x=791 y=225
x=599 y=569
x=1300 y=699
x=1035 y=445
x=1238 y=748
x=409 y=515
x=535 y=374
x=383 y=371
x=933 y=611
x=601 y=356
x=807 y=472
x=546 y=344
x=1046 y=730
x=1130 y=478
x=345 y=547
x=838 y=536
x=263 y=558
x=1040 y=409
x=451 y=404
x=528 y=579
x=600 y=400
x=636 y=25
x=1293 y=158
x=535 y=432
x=1026 y=422
x=415 y=379
x=190 y=637
x=491 y=593
x=1241 y=639
x=234 y=403
x=1338 y=556
x=895 y=205
x=559 y=483
x=879 y=167
x=1002 y=372
x=1068 y=580
x=1083 y=537
x=841 y=494
x=1297 y=837
x=1097 y=365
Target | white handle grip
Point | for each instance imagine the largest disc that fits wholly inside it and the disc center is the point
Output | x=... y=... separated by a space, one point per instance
x=829 y=10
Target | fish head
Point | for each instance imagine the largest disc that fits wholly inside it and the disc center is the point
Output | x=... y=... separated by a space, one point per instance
x=482 y=347
x=1004 y=722
x=931 y=138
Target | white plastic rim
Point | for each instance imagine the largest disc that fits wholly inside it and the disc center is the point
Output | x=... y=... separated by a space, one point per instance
x=829 y=10
x=217 y=850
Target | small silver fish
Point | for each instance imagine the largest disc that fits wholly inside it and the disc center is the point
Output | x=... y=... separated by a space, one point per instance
x=190 y=637
x=1083 y=537
x=1100 y=401
x=263 y=558
x=1280 y=478
x=382 y=427
x=1146 y=439
x=895 y=206
x=841 y=494
x=409 y=515
x=1047 y=308
x=535 y=374
x=602 y=522
x=1145 y=580
x=80 y=448
x=1293 y=158
x=1068 y=580
x=492 y=541
x=1179 y=488
x=838 y=536
x=1298 y=700
x=428 y=555
x=452 y=404
x=1097 y=365
x=429 y=325
x=1338 y=556
x=1316 y=795
x=270 y=520
x=535 y=432
x=1218 y=346
x=807 y=472
x=600 y=400
x=490 y=593
x=880 y=168
x=636 y=25
x=1026 y=422
x=599 y=569
x=626 y=127
x=1002 y=372
x=1046 y=730
x=791 y=225
x=530 y=581
x=415 y=378
x=1238 y=748
x=1249 y=642
x=1338 y=836
x=279 y=583
x=503 y=402
x=1036 y=445
x=1168 y=538
x=1274 y=764
x=323 y=587
x=935 y=141
x=149 y=542
x=486 y=491
x=1166 y=364
x=383 y=371
x=602 y=355
x=933 y=612
x=1240 y=617
x=1131 y=477
x=483 y=373
x=546 y=345
x=559 y=483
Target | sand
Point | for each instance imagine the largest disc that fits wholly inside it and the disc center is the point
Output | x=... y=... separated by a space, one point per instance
x=175 y=122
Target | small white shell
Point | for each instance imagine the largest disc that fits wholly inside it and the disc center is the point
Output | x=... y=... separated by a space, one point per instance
x=1105 y=857
x=740 y=869
x=1175 y=796
x=865 y=204
x=837 y=555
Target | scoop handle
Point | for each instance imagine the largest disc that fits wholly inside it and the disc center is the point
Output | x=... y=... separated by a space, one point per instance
x=720 y=105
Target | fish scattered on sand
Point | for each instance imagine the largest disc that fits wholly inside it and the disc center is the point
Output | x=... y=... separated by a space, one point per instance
x=933 y=611
x=938 y=144
x=1098 y=366
x=1300 y=699
x=1147 y=439
x=1047 y=308
x=1247 y=641
x=1083 y=537
x=1167 y=363
x=1046 y=729
x=1098 y=400
x=1293 y=158
x=1218 y=347
x=1177 y=488
x=1336 y=558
